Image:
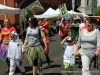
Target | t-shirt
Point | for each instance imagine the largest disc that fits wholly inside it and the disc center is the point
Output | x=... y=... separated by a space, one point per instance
x=89 y=42
x=68 y=54
x=5 y=34
x=82 y=26
x=33 y=36
x=40 y=23
x=57 y=23
x=63 y=32
x=46 y=24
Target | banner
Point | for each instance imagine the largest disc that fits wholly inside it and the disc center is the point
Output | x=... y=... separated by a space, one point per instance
x=63 y=11
x=73 y=4
x=37 y=5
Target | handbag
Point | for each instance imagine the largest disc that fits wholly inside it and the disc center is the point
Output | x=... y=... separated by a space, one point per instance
x=95 y=61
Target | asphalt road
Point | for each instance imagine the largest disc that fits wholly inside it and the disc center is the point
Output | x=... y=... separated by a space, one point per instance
x=56 y=56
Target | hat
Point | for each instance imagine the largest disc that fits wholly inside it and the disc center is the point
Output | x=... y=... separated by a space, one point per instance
x=77 y=17
x=14 y=32
x=69 y=39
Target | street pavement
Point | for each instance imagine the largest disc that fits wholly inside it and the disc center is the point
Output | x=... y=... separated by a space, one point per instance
x=56 y=56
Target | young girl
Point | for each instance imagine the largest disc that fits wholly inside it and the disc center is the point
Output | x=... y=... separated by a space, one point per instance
x=68 y=57
x=14 y=53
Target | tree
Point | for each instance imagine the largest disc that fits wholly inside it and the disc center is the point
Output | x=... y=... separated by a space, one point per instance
x=97 y=11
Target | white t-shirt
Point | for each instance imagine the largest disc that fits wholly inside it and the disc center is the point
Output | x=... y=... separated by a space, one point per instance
x=68 y=56
x=82 y=26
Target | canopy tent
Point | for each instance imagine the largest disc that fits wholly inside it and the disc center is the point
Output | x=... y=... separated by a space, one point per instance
x=73 y=14
x=50 y=13
x=57 y=10
x=8 y=10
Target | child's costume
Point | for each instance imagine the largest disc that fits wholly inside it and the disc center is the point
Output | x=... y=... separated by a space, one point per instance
x=15 y=55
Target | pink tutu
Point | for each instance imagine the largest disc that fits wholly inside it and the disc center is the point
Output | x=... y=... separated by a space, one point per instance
x=3 y=51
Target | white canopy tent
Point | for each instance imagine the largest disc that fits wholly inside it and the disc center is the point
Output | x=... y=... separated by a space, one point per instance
x=4 y=10
x=50 y=13
x=73 y=14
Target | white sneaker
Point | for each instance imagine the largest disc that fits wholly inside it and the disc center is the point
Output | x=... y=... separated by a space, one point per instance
x=41 y=72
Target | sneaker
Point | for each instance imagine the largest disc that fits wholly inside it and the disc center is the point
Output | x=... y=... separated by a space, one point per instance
x=41 y=72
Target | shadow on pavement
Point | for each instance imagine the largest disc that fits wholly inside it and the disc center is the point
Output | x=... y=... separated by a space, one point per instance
x=52 y=74
x=51 y=40
x=28 y=68
x=29 y=74
x=45 y=74
x=51 y=61
x=53 y=66
x=17 y=70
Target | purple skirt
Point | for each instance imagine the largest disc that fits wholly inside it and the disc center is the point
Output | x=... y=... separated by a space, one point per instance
x=3 y=51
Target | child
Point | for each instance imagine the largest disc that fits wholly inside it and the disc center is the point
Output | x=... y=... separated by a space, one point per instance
x=68 y=57
x=14 y=53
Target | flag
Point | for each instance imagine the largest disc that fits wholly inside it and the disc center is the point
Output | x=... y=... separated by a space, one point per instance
x=35 y=6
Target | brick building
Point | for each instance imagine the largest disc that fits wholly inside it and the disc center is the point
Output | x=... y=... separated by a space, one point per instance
x=11 y=3
x=45 y=3
x=52 y=3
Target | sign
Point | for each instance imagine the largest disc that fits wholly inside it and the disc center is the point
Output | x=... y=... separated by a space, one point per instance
x=63 y=11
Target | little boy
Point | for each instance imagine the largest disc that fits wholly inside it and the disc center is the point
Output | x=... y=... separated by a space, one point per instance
x=14 y=53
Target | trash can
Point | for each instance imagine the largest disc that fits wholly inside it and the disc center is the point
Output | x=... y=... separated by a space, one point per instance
x=97 y=27
x=74 y=31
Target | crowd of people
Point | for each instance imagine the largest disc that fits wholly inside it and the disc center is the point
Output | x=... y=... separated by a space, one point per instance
x=36 y=45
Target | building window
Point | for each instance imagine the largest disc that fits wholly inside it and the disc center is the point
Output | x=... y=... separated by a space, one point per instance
x=87 y=2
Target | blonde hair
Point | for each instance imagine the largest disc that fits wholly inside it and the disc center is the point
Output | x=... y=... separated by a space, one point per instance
x=8 y=20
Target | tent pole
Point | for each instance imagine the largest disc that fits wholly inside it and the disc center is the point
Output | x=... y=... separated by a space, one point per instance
x=5 y=5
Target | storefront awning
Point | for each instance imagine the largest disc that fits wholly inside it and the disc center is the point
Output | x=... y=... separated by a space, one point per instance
x=35 y=6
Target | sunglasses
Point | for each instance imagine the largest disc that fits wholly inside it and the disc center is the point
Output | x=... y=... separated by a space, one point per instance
x=69 y=41
x=12 y=37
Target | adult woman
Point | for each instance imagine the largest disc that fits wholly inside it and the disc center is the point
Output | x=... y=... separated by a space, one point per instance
x=33 y=49
x=64 y=28
x=89 y=45
x=4 y=39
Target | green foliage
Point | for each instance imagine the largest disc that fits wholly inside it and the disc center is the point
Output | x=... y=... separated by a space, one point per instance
x=97 y=11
